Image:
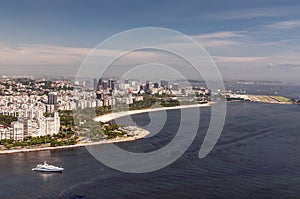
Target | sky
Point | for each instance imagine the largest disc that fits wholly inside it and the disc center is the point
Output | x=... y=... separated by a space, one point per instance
x=251 y=40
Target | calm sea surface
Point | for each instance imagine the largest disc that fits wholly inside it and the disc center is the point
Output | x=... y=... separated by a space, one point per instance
x=257 y=156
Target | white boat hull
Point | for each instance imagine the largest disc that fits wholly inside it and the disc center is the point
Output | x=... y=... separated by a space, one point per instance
x=48 y=170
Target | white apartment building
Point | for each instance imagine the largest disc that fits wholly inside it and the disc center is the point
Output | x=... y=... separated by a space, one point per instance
x=18 y=130
x=38 y=126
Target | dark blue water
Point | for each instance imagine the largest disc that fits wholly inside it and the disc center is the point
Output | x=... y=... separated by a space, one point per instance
x=257 y=156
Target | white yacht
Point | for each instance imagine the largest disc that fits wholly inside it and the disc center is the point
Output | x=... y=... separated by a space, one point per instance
x=47 y=168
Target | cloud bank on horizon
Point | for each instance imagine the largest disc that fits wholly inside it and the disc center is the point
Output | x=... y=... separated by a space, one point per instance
x=247 y=39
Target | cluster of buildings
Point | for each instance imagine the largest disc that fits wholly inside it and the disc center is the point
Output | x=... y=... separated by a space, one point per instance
x=107 y=92
x=31 y=118
x=36 y=103
x=110 y=91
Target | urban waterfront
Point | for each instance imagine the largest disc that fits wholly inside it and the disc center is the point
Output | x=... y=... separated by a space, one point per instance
x=149 y=99
x=257 y=155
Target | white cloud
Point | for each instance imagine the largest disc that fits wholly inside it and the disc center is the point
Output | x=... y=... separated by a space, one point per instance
x=219 y=39
x=29 y=55
x=255 y=13
x=238 y=59
x=219 y=43
x=19 y=55
x=219 y=35
x=284 y=24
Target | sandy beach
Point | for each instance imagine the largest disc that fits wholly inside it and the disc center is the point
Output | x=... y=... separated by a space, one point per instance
x=112 y=116
x=140 y=133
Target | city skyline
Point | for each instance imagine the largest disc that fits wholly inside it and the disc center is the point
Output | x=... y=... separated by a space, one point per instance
x=34 y=106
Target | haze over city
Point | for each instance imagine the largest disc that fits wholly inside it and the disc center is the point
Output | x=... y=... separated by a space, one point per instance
x=249 y=40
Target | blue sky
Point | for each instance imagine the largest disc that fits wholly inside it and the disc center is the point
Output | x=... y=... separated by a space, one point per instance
x=247 y=39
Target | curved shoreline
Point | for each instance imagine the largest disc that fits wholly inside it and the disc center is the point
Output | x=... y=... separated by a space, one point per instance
x=142 y=133
x=112 y=116
x=107 y=118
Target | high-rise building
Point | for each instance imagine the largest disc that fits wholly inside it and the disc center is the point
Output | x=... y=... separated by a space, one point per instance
x=142 y=87
x=27 y=125
x=104 y=84
x=175 y=87
x=148 y=87
x=56 y=122
x=52 y=98
x=52 y=124
x=41 y=130
x=100 y=82
x=99 y=85
x=111 y=83
x=95 y=83
x=164 y=84
x=18 y=130
x=50 y=128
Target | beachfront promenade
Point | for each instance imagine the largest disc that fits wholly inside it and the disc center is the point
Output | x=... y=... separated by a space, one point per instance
x=115 y=115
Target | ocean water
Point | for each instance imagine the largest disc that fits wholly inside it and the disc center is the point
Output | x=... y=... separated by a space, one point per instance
x=257 y=156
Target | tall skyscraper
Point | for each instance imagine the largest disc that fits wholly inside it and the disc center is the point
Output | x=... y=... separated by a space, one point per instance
x=148 y=87
x=52 y=98
x=95 y=83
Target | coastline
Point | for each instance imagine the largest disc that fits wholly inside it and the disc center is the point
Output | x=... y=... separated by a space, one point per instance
x=106 y=118
x=112 y=116
x=141 y=134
